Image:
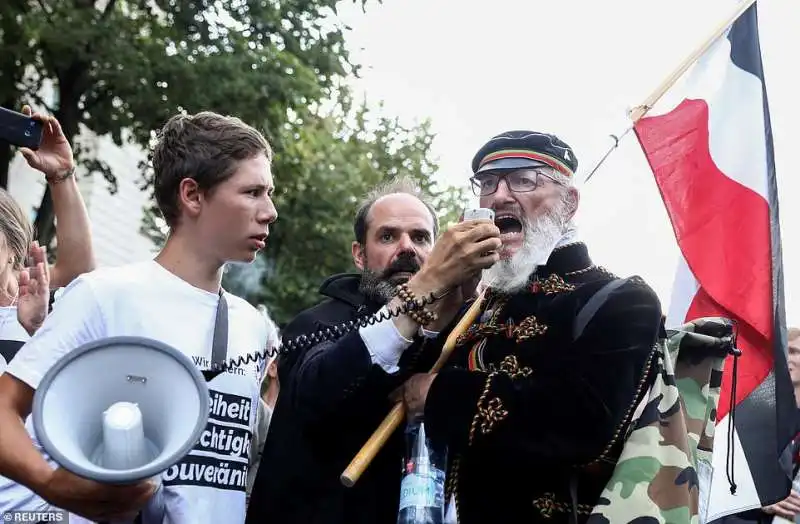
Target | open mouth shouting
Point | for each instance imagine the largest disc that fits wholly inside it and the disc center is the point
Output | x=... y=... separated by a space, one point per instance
x=511 y=234
x=509 y=226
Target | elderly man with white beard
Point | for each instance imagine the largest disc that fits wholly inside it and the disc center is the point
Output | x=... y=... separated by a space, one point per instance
x=534 y=402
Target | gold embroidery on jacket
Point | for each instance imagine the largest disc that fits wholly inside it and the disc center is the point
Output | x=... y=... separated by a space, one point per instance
x=491 y=415
x=510 y=366
x=548 y=505
x=551 y=285
x=529 y=328
x=488 y=413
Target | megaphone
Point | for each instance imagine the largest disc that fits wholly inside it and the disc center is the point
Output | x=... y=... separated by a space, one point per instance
x=121 y=409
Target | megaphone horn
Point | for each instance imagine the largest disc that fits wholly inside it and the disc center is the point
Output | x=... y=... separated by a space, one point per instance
x=121 y=409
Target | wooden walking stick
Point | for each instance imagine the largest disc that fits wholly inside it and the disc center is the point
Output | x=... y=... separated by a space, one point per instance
x=392 y=421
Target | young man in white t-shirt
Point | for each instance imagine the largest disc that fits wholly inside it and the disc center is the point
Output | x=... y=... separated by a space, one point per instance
x=213 y=185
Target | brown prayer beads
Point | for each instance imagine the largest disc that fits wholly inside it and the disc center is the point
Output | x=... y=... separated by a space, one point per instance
x=414 y=306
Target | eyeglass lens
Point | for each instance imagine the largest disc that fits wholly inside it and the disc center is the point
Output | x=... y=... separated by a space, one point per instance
x=518 y=181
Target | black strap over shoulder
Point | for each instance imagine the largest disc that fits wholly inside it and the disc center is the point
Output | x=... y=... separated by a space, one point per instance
x=219 y=344
x=587 y=312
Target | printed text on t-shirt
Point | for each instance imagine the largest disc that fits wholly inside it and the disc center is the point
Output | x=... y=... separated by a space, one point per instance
x=220 y=459
x=204 y=363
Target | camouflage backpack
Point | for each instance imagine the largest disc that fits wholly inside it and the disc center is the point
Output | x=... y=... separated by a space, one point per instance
x=670 y=434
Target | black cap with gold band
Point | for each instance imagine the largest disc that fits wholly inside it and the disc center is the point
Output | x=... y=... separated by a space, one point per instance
x=525 y=149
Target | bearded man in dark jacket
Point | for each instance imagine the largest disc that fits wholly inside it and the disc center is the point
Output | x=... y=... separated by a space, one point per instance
x=534 y=402
x=334 y=394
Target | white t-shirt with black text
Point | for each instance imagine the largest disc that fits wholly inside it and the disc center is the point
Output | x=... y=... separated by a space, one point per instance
x=145 y=300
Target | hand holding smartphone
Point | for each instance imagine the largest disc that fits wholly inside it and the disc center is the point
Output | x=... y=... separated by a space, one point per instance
x=20 y=130
x=41 y=141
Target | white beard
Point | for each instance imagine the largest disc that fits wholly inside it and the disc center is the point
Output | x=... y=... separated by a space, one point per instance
x=541 y=236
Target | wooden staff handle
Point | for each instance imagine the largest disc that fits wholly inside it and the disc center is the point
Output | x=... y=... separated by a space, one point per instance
x=392 y=421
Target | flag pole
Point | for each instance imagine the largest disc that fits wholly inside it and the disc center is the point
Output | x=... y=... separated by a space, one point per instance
x=641 y=110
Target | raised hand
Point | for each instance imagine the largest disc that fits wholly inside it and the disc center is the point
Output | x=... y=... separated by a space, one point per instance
x=460 y=254
x=457 y=259
x=34 y=290
x=54 y=157
x=454 y=266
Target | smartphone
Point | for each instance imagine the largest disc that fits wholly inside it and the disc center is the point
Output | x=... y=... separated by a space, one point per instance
x=20 y=130
x=480 y=213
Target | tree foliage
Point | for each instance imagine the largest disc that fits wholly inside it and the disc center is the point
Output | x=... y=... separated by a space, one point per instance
x=122 y=67
x=324 y=169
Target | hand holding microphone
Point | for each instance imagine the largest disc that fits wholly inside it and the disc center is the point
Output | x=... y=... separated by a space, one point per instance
x=470 y=287
x=462 y=252
x=456 y=262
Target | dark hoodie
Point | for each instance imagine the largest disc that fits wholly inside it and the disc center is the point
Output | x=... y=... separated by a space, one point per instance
x=332 y=398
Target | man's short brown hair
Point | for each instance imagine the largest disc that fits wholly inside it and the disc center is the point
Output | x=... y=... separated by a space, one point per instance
x=206 y=147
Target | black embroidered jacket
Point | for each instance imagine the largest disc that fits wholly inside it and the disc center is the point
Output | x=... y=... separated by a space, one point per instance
x=531 y=417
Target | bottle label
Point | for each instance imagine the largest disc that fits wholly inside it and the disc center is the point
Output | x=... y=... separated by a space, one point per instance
x=422 y=490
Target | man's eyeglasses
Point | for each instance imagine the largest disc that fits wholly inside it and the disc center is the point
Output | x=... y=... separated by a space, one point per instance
x=525 y=181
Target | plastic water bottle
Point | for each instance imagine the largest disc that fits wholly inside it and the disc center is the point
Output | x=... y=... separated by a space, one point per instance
x=422 y=488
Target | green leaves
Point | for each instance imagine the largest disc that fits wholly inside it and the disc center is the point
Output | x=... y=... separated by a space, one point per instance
x=324 y=167
x=124 y=68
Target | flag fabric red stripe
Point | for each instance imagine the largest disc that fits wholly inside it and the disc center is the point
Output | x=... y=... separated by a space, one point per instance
x=711 y=216
x=754 y=364
x=712 y=157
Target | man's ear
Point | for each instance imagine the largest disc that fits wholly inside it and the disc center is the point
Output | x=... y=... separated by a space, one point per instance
x=573 y=201
x=190 y=197
x=359 y=257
